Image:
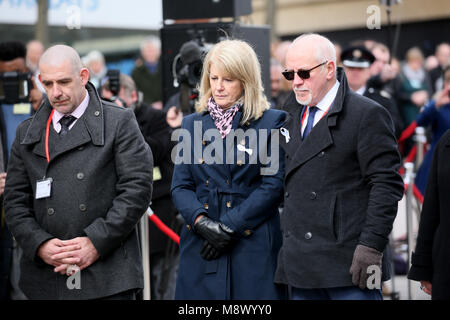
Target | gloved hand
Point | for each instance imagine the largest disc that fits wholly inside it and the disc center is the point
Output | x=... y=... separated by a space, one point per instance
x=220 y=236
x=363 y=258
x=209 y=252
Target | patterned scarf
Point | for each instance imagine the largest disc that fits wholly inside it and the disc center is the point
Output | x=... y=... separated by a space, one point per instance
x=223 y=119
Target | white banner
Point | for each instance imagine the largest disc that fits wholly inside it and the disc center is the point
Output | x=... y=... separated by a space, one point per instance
x=76 y=14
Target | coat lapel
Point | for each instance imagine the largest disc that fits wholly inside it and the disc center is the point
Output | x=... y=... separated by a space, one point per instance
x=320 y=137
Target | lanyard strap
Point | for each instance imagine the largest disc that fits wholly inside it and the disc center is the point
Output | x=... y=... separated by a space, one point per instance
x=47 y=131
x=304 y=115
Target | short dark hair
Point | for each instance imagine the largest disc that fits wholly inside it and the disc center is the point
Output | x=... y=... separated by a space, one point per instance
x=12 y=50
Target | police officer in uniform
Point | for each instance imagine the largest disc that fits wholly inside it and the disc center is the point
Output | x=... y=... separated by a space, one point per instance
x=356 y=61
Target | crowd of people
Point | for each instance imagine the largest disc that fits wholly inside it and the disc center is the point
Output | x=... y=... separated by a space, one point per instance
x=91 y=151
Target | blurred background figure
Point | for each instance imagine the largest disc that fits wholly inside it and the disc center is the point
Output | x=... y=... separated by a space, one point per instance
x=357 y=62
x=275 y=82
x=382 y=70
x=157 y=133
x=413 y=86
x=35 y=49
x=436 y=117
x=95 y=62
x=147 y=72
x=442 y=55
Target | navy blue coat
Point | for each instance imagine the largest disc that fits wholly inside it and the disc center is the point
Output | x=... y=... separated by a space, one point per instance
x=239 y=196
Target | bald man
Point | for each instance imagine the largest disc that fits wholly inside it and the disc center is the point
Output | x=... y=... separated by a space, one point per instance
x=341 y=181
x=79 y=179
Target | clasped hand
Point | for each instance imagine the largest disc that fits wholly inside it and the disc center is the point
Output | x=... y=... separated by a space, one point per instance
x=63 y=253
x=219 y=238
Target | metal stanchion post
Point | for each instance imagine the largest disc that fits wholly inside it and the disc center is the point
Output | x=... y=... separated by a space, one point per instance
x=420 y=139
x=143 y=225
x=409 y=180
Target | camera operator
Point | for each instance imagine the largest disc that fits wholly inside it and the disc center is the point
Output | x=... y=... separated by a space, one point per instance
x=157 y=133
x=186 y=78
x=17 y=90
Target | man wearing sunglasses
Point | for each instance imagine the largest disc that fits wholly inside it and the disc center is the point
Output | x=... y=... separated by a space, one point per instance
x=341 y=182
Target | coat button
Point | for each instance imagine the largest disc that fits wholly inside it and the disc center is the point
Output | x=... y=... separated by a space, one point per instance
x=228 y=204
x=287 y=234
x=188 y=226
x=82 y=207
x=207 y=182
x=50 y=211
x=313 y=195
x=206 y=206
x=308 y=235
x=227 y=181
x=286 y=194
x=96 y=113
x=80 y=175
x=248 y=233
x=81 y=148
x=321 y=154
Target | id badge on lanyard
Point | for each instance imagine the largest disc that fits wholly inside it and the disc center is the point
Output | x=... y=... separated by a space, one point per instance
x=44 y=186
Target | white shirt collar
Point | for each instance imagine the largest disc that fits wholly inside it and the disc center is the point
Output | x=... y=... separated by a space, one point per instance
x=361 y=90
x=326 y=102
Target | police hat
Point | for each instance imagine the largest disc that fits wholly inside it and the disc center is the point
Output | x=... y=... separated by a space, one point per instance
x=357 y=57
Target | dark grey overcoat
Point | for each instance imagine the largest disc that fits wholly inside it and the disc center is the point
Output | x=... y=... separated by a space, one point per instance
x=102 y=184
x=341 y=188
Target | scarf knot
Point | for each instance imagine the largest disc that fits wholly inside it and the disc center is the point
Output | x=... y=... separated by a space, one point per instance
x=223 y=119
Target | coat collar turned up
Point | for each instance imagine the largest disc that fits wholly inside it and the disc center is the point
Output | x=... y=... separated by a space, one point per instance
x=90 y=125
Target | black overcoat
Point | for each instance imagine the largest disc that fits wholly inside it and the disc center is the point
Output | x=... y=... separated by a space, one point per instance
x=342 y=188
x=431 y=258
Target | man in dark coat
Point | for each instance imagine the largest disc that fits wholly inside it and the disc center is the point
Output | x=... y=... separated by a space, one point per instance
x=75 y=191
x=341 y=181
x=431 y=257
x=147 y=72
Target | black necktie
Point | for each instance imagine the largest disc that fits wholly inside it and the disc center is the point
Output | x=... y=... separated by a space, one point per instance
x=65 y=122
x=310 y=123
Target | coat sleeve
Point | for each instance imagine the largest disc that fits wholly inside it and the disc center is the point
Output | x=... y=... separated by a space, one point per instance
x=183 y=184
x=428 y=115
x=134 y=170
x=259 y=205
x=379 y=162
x=421 y=260
x=18 y=204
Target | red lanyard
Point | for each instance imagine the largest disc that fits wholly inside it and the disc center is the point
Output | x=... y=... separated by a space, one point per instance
x=47 y=131
x=304 y=116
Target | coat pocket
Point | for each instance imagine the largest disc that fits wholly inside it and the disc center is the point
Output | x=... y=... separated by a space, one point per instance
x=335 y=222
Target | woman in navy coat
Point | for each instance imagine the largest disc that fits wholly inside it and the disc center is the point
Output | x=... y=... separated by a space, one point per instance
x=228 y=183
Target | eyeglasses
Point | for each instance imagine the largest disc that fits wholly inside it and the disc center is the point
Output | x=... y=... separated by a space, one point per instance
x=304 y=74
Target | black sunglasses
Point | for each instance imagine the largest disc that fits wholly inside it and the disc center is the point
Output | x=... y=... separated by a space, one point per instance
x=304 y=74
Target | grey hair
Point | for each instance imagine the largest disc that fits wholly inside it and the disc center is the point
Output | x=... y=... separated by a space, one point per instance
x=325 y=49
x=152 y=40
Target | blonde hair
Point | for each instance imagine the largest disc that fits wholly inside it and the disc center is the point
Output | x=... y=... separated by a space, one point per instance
x=238 y=60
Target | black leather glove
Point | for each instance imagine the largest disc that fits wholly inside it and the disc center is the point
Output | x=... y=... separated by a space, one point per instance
x=220 y=236
x=209 y=252
x=363 y=258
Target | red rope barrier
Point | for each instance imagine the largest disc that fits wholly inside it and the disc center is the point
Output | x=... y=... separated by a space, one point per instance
x=408 y=132
x=161 y=226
